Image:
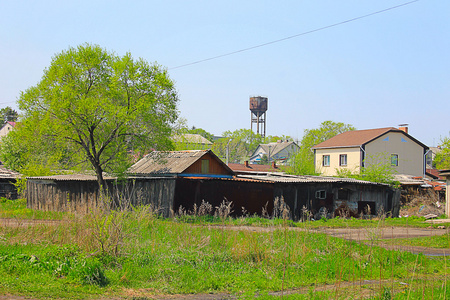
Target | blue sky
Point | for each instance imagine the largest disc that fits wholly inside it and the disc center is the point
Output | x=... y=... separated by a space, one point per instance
x=380 y=71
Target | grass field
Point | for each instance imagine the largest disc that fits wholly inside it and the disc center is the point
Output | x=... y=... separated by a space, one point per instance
x=138 y=255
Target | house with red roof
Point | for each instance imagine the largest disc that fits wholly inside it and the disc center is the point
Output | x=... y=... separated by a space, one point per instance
x=6 y=128
x=354 y=150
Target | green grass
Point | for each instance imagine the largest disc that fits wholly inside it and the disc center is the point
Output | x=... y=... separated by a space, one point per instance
x=18 y=209
x=112 y=253
x=438 y=241
x=138 y=254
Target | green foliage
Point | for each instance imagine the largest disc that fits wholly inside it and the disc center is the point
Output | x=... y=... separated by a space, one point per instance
x=66 y=261
x=241 y=144
x=442 y=159
x=89 y=110
x=264 y=160
x=377 y=168
x=303 y=162
x=7 y=114
x=17 y=209
x=183 y=142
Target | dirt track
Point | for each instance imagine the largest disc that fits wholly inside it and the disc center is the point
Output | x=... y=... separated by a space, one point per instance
x=367 y=235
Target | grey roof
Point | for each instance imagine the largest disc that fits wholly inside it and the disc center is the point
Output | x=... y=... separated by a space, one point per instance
x=171 y=162
x=6 y=173
x=71 y=177
x=284 y=178
x=191 y=138
x=405 y=179
x=276 y=147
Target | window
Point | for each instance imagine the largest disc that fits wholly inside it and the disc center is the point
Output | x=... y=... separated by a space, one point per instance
x=322 y=194
x=343 y=159
x=326 y=160
x=394 y=160
x=205 y=166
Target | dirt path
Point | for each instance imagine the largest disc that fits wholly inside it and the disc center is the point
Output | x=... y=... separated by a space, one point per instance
x=15 y=222
x=367 y=235
x=354 y=234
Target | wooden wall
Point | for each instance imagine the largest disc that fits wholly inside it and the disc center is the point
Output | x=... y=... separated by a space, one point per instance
x=215 y=167
x=81 y=196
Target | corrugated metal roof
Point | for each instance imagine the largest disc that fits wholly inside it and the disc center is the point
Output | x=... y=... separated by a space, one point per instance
x=284 y=178
x=237 y=178
x=6 y=173
x=171 y=162
x=71 y=177
x=253 y=168
x=405 y=179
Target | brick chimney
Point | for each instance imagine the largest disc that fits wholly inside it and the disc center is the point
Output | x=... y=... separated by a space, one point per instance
x=246 y=163
x=403 y=127
x=274 y=165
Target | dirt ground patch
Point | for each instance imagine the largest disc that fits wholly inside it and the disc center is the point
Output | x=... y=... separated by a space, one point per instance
x=368 y=234
x=15 y=222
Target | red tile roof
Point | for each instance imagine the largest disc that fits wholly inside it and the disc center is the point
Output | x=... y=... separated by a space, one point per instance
x=435 y=174
x=358 y=138
x=354 y=138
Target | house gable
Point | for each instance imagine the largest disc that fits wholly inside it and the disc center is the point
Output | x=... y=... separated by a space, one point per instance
x=177 y=163
x=6 y=128
x=409 y=155
x=280 y=150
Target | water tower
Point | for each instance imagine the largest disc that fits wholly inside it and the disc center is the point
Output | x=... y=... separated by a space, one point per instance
x=258 y=108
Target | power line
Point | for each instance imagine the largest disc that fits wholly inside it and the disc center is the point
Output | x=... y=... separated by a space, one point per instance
x=294 y=36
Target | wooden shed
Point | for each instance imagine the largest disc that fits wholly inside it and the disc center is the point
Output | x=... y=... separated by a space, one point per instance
x=8 y=179
x=80 y=193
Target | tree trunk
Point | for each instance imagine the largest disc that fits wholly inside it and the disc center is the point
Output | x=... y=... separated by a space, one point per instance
x=102 y=187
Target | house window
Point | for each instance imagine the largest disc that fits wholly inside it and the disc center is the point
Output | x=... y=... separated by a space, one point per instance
x=343 y=160
x=205 y=166
x=326 y=160
x=394 y=160
x=322 y=194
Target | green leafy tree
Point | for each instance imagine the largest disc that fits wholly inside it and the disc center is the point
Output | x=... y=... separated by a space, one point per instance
x=264 y=160
x=303 y=162
x=7 y=114
x=90 y=109
x=184 y=142
x=241 y=144
x=377 y=168
x=442 y=159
